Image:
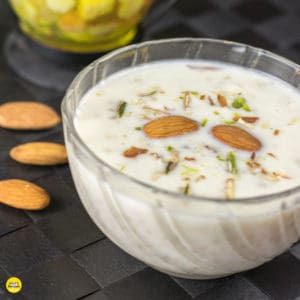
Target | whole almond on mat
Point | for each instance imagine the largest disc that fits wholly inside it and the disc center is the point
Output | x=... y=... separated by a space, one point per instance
x=170 y=126
x=23 y=194
x=40 y=153
x=27 y=116
x=236 y=137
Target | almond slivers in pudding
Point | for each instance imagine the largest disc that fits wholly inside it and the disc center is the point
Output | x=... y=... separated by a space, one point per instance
x=196 y=128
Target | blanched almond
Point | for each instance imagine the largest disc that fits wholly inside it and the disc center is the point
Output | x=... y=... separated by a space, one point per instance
x=27 y=116
x=23 y=194
x=40 y=153
x=236 y=137
x=170 y=126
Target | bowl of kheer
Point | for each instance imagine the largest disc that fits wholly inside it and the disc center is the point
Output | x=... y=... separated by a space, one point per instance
x=185 y=153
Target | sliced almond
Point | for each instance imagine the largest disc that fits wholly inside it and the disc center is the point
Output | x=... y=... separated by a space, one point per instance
x=230 y=188
x=272 y=155
x=170 y=126
x=40 y=153
x=134 y=152
x=236 y=137
x=250 y=120
x=186 y=100
x=189 y=158
x=27 y=116
x=222 y=100
x=23 y=194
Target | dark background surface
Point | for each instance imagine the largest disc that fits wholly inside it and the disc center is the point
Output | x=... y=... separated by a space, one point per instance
x=59 y=253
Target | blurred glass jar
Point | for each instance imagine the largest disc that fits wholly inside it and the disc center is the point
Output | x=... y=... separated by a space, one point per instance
x=81 y=26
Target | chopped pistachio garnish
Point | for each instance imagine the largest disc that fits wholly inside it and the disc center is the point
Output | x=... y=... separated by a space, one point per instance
x=240 y=102
x=121 y=108
x=229 y=122
x=194 y=93
x=216 y=112
x=138 y=128
x=169 y=148
x=293 y=121
x=220 y=158
x=170 y=167
x=186 y=190
x=204 y=122
x=246 y=107
x=188 y=170
x=231 y=162
x=236 y=117
x=148 y=94
x=122 y=168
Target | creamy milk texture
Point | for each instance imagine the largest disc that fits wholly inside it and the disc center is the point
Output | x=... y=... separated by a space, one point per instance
x=191 y=238
x=111 y=117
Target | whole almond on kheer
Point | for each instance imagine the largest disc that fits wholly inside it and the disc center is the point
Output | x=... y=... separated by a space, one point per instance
x=40 y=153
x=23 y=115
x=23 y=194
x=236 y=137
x=168 y=126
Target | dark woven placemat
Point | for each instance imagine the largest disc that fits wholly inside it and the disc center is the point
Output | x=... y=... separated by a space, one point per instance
x=59 y=253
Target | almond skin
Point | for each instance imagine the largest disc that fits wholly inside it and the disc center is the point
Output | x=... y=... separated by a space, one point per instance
x=27 y=116
x=168 y=126
x=40 y=153
x=236 y=137
x=23 y=194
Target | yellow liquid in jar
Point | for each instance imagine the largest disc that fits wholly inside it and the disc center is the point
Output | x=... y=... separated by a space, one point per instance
x=81 y=26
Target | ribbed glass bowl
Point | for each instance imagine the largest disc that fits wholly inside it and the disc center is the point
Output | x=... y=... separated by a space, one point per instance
x=186 y=236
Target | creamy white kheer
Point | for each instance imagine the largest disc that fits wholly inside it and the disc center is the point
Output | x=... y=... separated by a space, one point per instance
x=256 y=153
x=197 y=128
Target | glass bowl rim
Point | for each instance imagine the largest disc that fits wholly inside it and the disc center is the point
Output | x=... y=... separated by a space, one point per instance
x=68 y=119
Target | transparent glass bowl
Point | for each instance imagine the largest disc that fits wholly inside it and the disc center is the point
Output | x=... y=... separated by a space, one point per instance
x=185 y=236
